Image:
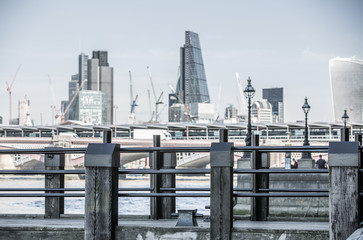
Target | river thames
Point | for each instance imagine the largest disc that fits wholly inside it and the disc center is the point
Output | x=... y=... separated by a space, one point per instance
x=74 y=205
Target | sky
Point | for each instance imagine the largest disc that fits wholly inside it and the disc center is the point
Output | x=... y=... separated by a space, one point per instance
x=280 y=43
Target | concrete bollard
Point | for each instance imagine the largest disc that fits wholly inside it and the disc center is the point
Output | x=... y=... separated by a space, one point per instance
x=54 y=206
x=221 y=195
x=101 y=194
x=344 y=163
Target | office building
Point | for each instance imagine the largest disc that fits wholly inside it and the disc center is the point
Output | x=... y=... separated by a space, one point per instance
x=275 y=96
x=82 y=70
x=192 y=85
x=261 y=111
x=346 y=79
x=24 y=112
x=92 y=107
x=100 y=78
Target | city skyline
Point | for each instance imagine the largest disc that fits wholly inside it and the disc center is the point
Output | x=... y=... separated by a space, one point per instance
x=285 y=44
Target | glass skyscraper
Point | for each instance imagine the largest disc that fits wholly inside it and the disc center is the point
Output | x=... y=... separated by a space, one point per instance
x=192 y=84
x=346 y=78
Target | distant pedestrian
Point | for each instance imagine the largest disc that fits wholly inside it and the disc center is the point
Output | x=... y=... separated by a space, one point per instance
x=321 y=163
x=294 y=163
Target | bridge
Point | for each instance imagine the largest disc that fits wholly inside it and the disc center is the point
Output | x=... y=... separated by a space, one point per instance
x=30 y=161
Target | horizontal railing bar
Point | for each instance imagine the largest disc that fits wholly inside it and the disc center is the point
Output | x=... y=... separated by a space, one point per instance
x=185 y=189
x=278 y=170
x=294 y=190
x=43 y=151
x=281 y=194
x=42 y=194
x=164 y=149
x=40 y=172
x=164 y=195
x=64 y=189
x=164 y=171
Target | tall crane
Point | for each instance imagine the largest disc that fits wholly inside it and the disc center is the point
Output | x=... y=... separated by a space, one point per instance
x=54 y=99
x=133 y=103
x=158 y=101
x=62 y=114
x=9 y=88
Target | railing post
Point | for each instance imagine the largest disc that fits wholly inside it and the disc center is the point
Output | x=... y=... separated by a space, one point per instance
x=54 y=206
x=168 y=181
x=344 y=163
x=102 y=161
x=259 y=205
x=155 y=180
x=221 y=195
x=223 y=135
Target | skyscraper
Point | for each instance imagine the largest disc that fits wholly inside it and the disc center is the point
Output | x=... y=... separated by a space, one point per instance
x=82 y=69
x=275 y=96
x=24 y=112
x=100 y=78
x=346 y=78
x=192 y=88
x=192 y=84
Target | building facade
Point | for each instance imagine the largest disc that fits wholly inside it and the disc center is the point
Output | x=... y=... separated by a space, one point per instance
x=261 y=111
x=100 y=78
x=82 y=70
x=275 y=96
x=192 y=85
x=92 y=107
x=346 y=78
x=24 y=112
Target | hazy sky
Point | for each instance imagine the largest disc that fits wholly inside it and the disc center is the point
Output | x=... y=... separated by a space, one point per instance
x=277 y=43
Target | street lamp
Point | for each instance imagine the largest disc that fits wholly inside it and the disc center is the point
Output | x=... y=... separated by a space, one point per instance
x=306 y=109
x=249 y=92
x=345 y=118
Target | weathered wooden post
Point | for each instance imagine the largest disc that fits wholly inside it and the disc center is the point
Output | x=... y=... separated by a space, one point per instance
x=168 y=181
x=156 y=161
x=54 y=206
x=101 y=194
x=221 y=195
x=344 y=163
x=259 y=205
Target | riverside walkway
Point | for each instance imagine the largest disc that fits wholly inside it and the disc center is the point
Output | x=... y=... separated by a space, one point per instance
x=72 y=228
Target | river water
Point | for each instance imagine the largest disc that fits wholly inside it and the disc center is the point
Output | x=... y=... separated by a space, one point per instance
x=127 y=205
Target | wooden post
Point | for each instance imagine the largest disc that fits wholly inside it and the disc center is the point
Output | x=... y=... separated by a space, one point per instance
x=168 y=181
x=155 y=180
x=344 y=163
x=221 y=195
x=54 y=206
x=101 y=194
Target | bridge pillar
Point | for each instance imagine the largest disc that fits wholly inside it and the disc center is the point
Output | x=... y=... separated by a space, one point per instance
x=101 y=194
x=54 y=206
x=344 y=163
x=221 y=194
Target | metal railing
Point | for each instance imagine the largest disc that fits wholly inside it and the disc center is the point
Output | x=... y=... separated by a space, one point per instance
x=102 y=160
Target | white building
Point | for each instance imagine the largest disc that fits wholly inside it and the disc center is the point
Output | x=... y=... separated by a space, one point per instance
x=261 y=112
x=24 y=112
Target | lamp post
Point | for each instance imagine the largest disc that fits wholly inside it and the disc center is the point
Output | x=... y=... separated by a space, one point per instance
x=345 y=135
x=249 y=92
x=306 y=109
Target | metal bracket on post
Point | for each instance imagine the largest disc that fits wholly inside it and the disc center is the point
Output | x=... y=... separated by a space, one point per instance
x=187 y=218
x=54 y=206
x=221 y=195
x=101 y=193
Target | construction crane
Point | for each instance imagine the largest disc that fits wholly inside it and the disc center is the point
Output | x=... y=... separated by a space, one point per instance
x=133 y=103
x=155 y=116
x=9 y=88
x=54 y=99
x=241 y=99
x=62 y=114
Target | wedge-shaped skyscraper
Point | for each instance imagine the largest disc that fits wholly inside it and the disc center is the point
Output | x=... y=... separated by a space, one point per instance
x=192 y=84
x=346 y=77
